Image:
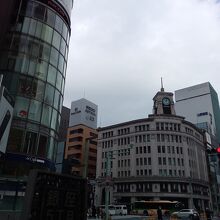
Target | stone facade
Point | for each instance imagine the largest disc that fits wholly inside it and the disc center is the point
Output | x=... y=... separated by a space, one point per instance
x=159 y=157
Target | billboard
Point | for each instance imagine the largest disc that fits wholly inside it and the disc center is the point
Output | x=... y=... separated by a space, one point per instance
x=83 y=112
x=6 y=113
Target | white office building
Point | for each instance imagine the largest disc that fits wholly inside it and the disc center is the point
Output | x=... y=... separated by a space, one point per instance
x=199 y=105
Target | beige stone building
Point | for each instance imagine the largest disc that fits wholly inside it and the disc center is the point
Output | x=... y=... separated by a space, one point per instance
x=167 y=160
x=75 y=148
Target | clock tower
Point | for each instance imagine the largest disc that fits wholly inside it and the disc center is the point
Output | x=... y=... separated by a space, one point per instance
x=163 y=103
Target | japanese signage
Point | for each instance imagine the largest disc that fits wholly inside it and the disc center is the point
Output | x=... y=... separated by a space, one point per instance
x=83 y=112
x=62 y=7
x=54 y=196
x=67 y=4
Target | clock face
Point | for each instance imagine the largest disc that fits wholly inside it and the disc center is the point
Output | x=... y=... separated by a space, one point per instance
x=166 y=101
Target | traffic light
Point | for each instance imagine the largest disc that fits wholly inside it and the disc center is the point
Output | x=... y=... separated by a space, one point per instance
x=218 y=150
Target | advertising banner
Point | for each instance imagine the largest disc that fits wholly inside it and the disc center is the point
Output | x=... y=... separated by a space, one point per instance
x=6 y=112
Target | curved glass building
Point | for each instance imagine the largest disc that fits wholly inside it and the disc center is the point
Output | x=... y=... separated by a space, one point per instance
x=33 y=62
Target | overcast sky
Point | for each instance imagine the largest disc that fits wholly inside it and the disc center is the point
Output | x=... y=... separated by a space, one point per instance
x=119 y=50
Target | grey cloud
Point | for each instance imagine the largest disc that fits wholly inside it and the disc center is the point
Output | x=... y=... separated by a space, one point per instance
x=119 y=49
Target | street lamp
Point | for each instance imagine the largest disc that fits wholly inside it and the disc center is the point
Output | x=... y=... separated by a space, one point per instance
x=109 y=156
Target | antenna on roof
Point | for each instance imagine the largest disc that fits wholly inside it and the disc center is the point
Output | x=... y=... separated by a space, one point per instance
x=162 y=89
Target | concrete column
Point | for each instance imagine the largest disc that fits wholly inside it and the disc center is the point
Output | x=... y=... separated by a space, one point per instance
x=190 y=202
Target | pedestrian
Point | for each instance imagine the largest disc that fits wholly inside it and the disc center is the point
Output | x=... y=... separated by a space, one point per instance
x=145 y=212
x=208 y=213
x=159 y=213
x=98 y=212
x=93 y=211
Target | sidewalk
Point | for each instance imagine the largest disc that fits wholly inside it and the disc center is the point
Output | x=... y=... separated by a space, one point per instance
x=126 y=217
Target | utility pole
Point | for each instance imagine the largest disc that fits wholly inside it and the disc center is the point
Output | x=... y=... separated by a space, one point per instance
x=107 y=186
x=86 y=154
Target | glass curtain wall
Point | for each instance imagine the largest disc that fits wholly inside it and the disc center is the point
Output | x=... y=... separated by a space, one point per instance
x=33 y=61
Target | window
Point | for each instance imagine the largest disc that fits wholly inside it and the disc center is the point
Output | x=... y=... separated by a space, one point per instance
x=15 y=140
x=56 y=99
x=159 y=149
x=158 y=137
x=169 y=161
x=75 y=139
x=38 y=29
x=26 y=23
x=35 y=111
x=141 y=161
x=46 y=33
x=32 y=27
x=50 y=17
x=76 y=131
x=54 y=57
x=164 y=161
x=61 y=63
x=59 y=24
x=56 y=40
x=42 y=146
x=49 y=94
x=159 y=161
x=41 y=69
x=30 y=143
x=170 y=173
x=140 y=150
x=177 y=150
x=46 y=115
x=52 y=74
x=137 y=161
x=62 y=46
x=21 y=107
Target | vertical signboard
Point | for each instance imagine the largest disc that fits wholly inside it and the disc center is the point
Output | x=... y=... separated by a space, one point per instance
x=6 y=112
